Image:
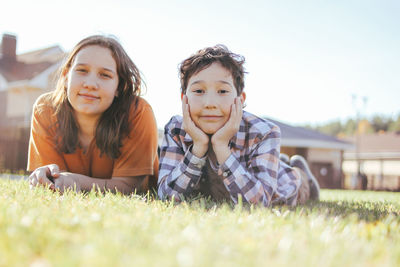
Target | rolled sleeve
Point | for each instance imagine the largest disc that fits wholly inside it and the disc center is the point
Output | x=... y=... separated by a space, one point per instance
x=180 y=170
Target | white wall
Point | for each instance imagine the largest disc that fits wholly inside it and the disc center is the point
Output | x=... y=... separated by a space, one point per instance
x=3 y=83
x=325 y=155
x=20 y=101
x=373 y=167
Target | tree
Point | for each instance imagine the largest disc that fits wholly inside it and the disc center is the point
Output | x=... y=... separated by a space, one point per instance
x=332 y=128
x=381 y=123
x=350 y=127
x=395 y=125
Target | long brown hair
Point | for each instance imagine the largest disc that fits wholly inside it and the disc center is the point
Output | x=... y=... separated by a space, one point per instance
x=113 y=124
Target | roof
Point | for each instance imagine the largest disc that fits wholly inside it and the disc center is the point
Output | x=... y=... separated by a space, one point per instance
x=293 y=136
x=20 y=71
x=29 y=65
x=376 y=146
x=51 y=54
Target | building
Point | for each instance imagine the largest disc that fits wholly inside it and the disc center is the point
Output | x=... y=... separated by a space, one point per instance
x=323 y=153
x=378 y=157
x=22 y=79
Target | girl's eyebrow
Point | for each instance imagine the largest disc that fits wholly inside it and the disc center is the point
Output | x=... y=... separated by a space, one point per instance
x=85 y=64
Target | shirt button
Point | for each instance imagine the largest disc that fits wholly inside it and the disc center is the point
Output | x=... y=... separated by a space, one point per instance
x=225 y=174
x=203 y=180
x=191 y=185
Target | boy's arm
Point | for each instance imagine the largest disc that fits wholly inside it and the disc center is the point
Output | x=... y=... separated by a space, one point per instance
x=180 y=170
x=258 y=181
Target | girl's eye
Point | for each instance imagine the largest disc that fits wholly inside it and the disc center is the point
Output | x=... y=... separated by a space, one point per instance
x=223 y=91
x=81 y=70
x=198 y=91
x=105 y=75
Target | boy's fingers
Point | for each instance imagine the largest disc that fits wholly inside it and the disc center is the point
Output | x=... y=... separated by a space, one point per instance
x=238 y=104
x=183 y=104
x=185 y=115
x=234 y=113
x=239 y=110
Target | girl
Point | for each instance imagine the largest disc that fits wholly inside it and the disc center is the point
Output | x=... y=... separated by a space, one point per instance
x=94 y=130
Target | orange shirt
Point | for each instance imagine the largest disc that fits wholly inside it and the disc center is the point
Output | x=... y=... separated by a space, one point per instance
x=138 y=152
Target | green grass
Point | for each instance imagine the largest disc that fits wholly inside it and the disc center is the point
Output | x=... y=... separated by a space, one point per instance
x=346 y=228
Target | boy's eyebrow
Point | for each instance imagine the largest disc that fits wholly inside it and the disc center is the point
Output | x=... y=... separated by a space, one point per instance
x=106 y=69
x=201 y=81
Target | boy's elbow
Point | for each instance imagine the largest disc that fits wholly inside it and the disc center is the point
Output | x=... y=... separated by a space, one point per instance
x=164 y=196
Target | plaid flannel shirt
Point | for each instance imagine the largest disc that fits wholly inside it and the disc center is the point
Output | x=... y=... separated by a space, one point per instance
x=253 y=169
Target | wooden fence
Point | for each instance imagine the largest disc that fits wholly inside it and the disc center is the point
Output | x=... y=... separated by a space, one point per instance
x=14 y=150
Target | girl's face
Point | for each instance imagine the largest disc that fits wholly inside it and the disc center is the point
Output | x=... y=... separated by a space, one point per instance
x=92 y=81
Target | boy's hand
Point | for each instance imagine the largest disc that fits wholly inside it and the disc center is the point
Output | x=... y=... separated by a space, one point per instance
x=220 y=140
x=44 y=176
x=200 y=139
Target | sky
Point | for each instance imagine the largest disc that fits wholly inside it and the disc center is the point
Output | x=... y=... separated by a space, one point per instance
x=305 y=59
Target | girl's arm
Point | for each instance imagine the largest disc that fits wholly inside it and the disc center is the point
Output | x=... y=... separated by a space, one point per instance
x=79 y=182
x=51 y=176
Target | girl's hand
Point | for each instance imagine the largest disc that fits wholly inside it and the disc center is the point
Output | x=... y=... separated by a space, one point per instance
x=66 y=181
x=220 y=140
x=44 y=176
x=200 y=139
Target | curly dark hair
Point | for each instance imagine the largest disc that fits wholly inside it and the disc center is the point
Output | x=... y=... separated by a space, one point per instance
x=113 y=124
x=205 y=57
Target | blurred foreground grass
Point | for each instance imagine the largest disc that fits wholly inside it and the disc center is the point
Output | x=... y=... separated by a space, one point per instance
x=346 y=228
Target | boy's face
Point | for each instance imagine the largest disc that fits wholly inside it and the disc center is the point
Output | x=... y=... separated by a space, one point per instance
x=211 y=93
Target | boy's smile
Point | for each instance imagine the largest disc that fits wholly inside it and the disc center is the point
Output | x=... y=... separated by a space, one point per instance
x=211 y=93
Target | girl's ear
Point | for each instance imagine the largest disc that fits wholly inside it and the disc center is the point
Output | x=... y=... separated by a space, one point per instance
x=65 y=72
x=64 y=75
x=182 y=94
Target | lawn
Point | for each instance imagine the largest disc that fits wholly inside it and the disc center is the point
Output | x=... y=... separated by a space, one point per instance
x=346 y=228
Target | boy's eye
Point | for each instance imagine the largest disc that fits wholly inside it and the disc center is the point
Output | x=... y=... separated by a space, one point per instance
x=198 y=91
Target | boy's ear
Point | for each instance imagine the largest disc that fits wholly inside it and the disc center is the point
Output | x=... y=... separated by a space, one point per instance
x=242 y=97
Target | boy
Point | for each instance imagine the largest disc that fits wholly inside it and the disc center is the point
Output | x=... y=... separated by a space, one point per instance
x=219 y=150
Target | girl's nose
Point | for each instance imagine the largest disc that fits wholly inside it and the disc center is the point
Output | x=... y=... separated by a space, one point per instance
x=91 y=82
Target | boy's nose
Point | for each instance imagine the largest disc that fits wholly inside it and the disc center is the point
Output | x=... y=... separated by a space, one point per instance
x=210 y=100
